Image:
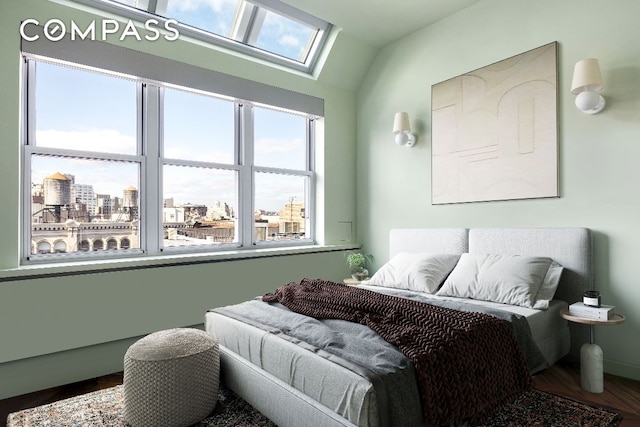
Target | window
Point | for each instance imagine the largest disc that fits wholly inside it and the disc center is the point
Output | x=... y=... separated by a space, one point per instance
x=213 y=17
x=121 y=166
x=267 y=29
x=281 y=172
x=285 y=37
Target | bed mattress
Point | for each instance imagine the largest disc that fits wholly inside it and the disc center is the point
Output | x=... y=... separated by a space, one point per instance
x=343 y=365
x=345 y=388
x=363 y=396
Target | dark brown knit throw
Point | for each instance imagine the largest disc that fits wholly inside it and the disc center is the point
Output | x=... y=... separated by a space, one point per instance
x=467 y=363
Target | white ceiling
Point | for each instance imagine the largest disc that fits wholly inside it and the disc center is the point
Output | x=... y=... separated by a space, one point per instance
x=379 y=22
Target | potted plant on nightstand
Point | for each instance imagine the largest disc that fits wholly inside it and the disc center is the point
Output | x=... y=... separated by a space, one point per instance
x=357 y=262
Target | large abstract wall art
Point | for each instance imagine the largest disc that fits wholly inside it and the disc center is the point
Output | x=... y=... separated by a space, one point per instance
x=494 y=131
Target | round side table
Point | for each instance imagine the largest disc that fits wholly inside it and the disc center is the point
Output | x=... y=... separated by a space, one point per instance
x=591 y=358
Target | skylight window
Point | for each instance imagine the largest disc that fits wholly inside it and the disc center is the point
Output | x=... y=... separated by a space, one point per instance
x=265 y=29
x=285 y=37
x=214 y=16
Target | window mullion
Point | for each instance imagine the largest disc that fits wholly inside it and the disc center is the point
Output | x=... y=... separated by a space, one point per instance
x=310 y=129
x=153 y=7
x=310 y=213
x=251 y=38
x=244 y=140
x=29 y=131
x=245 y=15
x=151 y=172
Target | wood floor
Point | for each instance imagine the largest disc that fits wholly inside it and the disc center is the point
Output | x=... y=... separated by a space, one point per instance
x=620 y=395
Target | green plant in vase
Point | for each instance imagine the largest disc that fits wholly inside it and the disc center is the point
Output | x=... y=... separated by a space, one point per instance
x=357 y=262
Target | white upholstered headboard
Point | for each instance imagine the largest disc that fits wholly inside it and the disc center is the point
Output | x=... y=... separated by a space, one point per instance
x=570 y=247
x=433 y=240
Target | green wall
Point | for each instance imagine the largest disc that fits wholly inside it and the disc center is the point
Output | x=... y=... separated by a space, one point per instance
x=598 y=167
x=63 y=329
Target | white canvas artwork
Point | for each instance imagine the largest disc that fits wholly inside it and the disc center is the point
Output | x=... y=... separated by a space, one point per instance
x=494 y=131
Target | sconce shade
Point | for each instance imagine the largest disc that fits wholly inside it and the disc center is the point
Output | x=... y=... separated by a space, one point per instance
x=401 y=123
x=402 y=130
x=587 y=76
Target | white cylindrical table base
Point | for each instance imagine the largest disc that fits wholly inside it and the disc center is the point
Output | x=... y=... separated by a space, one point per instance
x=591 y=371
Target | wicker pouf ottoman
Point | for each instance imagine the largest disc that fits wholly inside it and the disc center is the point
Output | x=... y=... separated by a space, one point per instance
x=171 y=378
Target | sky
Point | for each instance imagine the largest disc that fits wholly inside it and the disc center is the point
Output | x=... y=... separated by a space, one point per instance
x=91 y=112
x=278 y=34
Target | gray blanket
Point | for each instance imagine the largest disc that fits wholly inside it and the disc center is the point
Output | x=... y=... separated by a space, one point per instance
x=358 y=348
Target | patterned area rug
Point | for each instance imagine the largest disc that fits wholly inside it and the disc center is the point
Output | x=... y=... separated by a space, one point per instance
x=105 y=408
x=538 y=408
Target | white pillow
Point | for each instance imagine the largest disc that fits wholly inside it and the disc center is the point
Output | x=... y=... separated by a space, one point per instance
x=421 y=272
x=508 y=279
x=549 y=286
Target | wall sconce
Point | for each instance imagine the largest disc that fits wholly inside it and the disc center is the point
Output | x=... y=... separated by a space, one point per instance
x=587 y=82
x=402 y=129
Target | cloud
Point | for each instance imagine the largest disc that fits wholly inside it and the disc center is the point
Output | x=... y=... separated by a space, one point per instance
x=199 y=185
x=277 y=145
x=273 y=191
x=182 y=150
x=288 y=35
x=95 y=140
x=289 y=41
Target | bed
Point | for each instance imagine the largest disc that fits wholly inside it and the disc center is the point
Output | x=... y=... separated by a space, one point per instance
x=297 y=381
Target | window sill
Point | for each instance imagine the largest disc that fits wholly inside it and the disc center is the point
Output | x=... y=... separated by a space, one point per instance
x=99 y=266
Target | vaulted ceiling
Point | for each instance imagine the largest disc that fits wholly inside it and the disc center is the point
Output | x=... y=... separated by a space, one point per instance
x=379 y=22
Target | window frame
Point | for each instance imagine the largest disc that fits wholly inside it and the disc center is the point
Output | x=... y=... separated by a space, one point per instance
x=308 y=173
x=166 y=161
x=150 y=157
x=28 y=149
x=243 y=29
